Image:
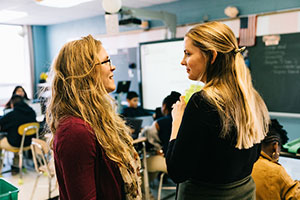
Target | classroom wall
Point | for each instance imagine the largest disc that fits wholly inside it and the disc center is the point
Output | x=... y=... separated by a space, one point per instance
x=192 y=11
x=41 y=53
x=187 y=11
x=291 y=125
x=51 y=38
x=59 y=34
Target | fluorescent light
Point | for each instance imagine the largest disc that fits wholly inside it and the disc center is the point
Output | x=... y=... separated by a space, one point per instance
x=7 y=15
x=61 y=3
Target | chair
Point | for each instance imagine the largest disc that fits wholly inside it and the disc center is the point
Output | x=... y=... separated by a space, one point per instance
x=144 y=170
x=42 y=162
x=24 y=130
x=157 y=163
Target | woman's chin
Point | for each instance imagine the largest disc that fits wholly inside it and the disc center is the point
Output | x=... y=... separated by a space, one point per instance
x=192 y=78
x=110 y=89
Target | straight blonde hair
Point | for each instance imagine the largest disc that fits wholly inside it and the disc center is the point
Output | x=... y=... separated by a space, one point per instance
x=229 y=85
x=78 y=91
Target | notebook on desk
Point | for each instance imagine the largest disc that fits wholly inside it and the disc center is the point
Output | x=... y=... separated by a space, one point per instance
x=147 y=120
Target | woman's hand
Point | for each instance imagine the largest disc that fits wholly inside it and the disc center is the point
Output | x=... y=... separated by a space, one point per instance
x=177 y=113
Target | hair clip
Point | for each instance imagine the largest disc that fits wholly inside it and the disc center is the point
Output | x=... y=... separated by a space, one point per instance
x=240 y=50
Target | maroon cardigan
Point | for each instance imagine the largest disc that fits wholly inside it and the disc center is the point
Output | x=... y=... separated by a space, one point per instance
x=83 y=170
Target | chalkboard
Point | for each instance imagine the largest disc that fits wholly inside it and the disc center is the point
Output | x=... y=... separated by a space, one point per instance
x=276 y=73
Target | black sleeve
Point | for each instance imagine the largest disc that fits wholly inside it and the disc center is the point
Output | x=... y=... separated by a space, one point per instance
x=184 y=155
x=258 y=151
x=124 y=112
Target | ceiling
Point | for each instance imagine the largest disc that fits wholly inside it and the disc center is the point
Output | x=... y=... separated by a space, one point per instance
x=42 y=15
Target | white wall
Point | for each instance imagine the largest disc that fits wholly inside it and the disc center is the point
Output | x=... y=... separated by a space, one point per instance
x=280 y=23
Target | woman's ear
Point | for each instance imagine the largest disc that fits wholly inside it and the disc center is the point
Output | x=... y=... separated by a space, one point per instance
x=214 y=56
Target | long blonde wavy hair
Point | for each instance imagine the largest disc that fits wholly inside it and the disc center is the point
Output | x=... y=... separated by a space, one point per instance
x=229 y=84
x=78 y=91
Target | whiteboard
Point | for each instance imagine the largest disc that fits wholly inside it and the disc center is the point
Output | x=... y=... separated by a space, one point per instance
x=161 y=71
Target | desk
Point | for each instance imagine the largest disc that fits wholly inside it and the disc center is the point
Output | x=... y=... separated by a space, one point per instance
x=291 y=163
x=290 y=155
x=144 y=161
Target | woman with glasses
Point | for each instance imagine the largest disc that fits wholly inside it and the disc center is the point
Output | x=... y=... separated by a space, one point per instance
x=93 y=151
x=215 y=136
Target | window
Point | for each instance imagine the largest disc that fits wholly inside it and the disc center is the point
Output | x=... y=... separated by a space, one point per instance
x=14 y=61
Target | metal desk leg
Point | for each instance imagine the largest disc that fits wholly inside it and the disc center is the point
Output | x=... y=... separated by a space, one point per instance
x=146 y=179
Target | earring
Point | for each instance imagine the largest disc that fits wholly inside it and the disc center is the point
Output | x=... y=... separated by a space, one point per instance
x=275 y=156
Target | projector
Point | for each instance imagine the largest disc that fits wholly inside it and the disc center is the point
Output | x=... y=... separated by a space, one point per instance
x=130 y=21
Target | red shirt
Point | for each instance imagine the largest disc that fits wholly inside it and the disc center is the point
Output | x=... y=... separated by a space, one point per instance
x=82 y=168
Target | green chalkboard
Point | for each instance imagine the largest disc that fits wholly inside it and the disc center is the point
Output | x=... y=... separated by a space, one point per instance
x=276 y=72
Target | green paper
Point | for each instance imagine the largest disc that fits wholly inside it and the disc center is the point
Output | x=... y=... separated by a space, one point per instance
x=189 y=92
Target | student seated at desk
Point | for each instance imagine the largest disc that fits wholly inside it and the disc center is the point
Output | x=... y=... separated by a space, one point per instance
x=271 y=179
x=159 y=133
x=157 y=113
x=133 y=110
x=11 y=121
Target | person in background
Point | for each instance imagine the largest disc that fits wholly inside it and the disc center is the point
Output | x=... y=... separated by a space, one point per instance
x=216 y=135
x=133 y=110
x=93 y=151
x=158 y=135
x=21 y=113
x=19 y=90
x=271 y=179
x=164 y=124
x=157 y=113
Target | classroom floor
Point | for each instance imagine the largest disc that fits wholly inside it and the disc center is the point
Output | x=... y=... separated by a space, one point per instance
x=29 y=177
x=165 y=194
x=41 y=192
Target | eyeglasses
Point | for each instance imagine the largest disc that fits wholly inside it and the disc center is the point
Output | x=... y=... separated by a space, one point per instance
x=106 y=61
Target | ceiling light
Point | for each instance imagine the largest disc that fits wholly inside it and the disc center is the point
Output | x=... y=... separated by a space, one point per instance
x=7 y=15
x=111 y=6
x=61 y=3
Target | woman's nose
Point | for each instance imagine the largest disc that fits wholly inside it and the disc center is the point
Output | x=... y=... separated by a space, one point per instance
x=183 y=62
x=112 y=67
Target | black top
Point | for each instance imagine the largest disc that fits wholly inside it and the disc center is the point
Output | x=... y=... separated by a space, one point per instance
x=21 y=114
x=199 y=153
x=164 y=133
x=134 y=112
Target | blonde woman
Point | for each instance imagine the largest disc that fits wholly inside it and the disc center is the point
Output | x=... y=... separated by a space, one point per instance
x=93 y=151
x=216 y=137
